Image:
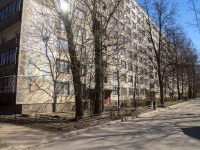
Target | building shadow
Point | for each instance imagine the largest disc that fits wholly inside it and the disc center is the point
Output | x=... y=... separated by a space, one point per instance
x=192 y=132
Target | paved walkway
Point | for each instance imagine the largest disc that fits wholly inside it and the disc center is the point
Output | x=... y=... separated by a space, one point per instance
x=176 y=128
x=14 y=137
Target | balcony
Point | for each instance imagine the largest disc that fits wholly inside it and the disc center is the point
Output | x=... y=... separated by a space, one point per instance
x=10 y=20
x=9 y=44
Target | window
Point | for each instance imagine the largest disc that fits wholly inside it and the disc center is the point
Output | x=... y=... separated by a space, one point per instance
x=114 y=34
x=63 y=88
x=61 y=24
x=134 y=45
x=84 y=91
x=130 y=91
x=62 y=66
x=128 y=43
x=113 y=21
x=137 y=92
x=138 y=20
x=137 y=10
x=136 y=69
x=133 y=25
x=123 y=52
x=8 y=57
x=136 y=79
x=130 y=67
x=128 y=20
x=114 y=47
x=10 y=8
x=121 y=26
x=115 y=91
x=127 y=9
x=139 y=49
x=146 y=82
x=140 y=59
x=123 y=91
x=122 y=39
x=80 y=50
x=142 y=92
x=80 y=32
x=105 y=80
x=121 y=4
x=7 y=84
x=7 y=11
x=114 y=76
x=130 y=78
x=133 y=5
x=121 y=15
x=62 y=44
x=134 y=35
x=128 y=31
x=123 y=63
x=17 y=6
x=80 y=14
x=141 y=80
x=2 y=14
x=115 y=61
x=133 y=14
x=83 y=70
x=12 y=56
x=145 y=61
x=129 y=54
x=123 y=78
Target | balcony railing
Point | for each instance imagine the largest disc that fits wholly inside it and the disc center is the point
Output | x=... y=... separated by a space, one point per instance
x=9 y=44
x=10 y=20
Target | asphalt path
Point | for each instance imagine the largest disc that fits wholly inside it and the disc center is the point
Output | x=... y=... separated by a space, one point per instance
x=176 y=128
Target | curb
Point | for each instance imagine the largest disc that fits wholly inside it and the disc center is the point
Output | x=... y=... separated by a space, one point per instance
x=78 y=132
x=173 y=106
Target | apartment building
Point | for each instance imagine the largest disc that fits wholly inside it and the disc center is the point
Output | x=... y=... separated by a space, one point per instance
x=10 y=24
x=33 y=47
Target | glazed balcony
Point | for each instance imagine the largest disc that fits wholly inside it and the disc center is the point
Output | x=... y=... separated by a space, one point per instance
x=9 y=44
x=10 y=20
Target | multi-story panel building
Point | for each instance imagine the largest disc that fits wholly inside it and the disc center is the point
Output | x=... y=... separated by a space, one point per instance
x=10 y=24
x=33 y=55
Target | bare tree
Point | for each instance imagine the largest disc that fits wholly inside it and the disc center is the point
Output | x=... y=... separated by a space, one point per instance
x=68 y=21
x=70 y=48
x=195 y=8
x=162 y=14
x=101 y=14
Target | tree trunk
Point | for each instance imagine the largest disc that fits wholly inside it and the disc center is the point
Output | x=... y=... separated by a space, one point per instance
x=134 y=92
x=118 y=92
x=182 y=83
x=161 y=94
x=98 y=77
x=177 y=84
x=75 y=67
x=97 y=34
x=161 y=86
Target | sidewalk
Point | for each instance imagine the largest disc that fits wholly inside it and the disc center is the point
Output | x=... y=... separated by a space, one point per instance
x=13 y=137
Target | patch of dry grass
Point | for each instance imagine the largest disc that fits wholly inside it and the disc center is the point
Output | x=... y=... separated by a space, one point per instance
x=2 y=144
x=65 y=123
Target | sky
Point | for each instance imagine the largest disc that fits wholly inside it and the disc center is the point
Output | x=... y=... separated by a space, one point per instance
x=185 y=18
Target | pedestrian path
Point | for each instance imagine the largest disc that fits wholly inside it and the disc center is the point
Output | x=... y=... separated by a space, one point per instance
x=13 y=137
